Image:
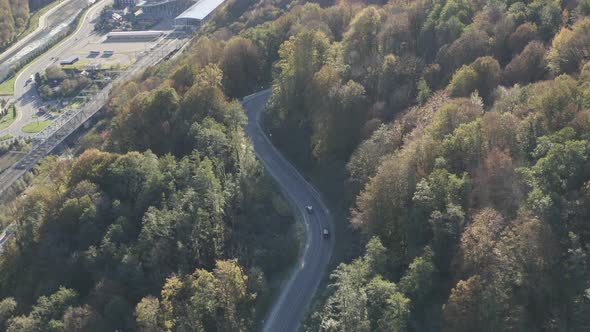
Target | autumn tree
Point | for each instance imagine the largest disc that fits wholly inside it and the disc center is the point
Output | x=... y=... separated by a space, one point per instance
x=569 y=48
x=528 y=66
x=147 y=314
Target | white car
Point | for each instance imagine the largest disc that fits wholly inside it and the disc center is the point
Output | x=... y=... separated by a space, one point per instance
x=309 y=209
x=326 y=233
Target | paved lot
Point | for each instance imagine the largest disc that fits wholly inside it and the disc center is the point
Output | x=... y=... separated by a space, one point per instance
x=125 y=52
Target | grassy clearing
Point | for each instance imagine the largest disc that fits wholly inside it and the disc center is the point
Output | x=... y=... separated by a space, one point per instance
x=81 y=65
x=36 y=126
x=7 y=87
x=5 y=137
x=7 y=119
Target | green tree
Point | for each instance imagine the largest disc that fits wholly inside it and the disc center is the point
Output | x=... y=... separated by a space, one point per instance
x=231 y=283
x=488 y=72
x=569 y=48
x=379 y=291
x=147 y=313
x=418 y=280
x=7 y=307
x=361 y=41
x=464 y=82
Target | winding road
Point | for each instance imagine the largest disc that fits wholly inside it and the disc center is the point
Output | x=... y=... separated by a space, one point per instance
x=297 y=292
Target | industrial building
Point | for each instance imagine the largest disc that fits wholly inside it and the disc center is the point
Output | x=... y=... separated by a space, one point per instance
x=189 y=14
x=195 y=15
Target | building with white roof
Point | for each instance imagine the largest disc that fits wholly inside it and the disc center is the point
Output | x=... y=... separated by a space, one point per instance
x=196 y=14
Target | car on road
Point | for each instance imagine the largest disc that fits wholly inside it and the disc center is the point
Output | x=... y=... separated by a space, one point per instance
x=309 y=209
x=326 y=233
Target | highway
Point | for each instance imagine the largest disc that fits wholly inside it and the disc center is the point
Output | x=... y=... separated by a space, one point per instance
x=297 y=292
x=27 y=99
x=51 y=23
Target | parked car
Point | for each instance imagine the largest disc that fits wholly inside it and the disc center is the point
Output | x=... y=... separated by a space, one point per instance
x=326 y=233
x=309 y=209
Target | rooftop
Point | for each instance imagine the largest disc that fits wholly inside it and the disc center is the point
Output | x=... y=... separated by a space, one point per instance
x=201 y=9
x=69 y=60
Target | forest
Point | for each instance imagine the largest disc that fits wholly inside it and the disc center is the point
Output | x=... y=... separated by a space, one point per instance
x=462 y=130
x=15 y=18
x=164 y=222
x=454 y=135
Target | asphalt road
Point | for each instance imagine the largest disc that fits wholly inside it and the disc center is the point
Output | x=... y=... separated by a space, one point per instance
x=297 y=292
x=27 y=100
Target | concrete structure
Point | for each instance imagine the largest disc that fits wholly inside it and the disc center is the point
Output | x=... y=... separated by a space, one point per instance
x=195 y=15
x=130 y=35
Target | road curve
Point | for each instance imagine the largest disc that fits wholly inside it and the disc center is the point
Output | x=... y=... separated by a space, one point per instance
x=297 y=292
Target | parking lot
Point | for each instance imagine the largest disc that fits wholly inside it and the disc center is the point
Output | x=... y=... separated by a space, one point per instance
x=124 y=52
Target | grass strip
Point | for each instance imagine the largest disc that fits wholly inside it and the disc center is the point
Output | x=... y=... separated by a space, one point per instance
x=35 y=127
x=7 y=119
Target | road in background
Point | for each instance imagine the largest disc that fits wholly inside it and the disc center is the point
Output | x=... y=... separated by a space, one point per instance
x=50 y=24
x=297 y=292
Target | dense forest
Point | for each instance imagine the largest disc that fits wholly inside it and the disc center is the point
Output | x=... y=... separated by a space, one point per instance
x=463 y=129
x=15 y=18
x=456 y=131
x=165 y=221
